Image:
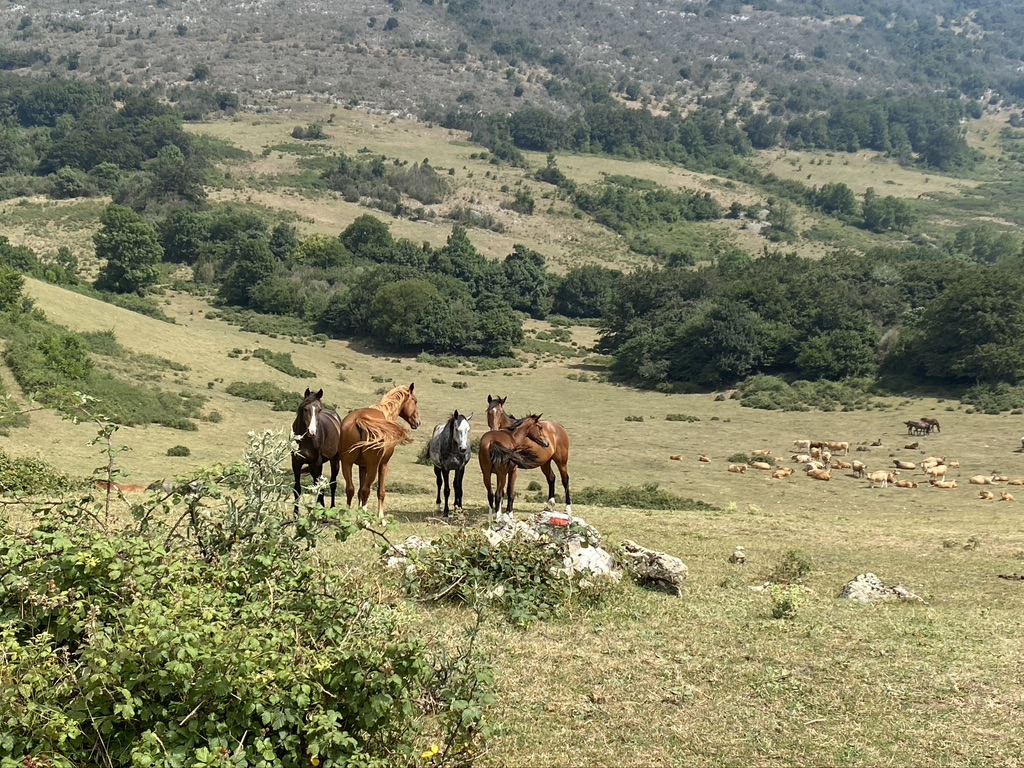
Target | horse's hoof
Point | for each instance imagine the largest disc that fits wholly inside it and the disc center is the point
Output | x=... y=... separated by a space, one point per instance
x=437 y=509
x=568 y=509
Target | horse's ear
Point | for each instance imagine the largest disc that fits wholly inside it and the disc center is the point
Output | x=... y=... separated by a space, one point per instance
x=307 y=394
x=411 y=387
x=455 y=415
x=503 y=399
x=319 y=395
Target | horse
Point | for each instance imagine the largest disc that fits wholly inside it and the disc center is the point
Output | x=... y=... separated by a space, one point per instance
x=492 y=463
x=918 y=427
x=318 y=433
x=933 y=423
x=556 y=449
x=449 y=452
x=368 y=440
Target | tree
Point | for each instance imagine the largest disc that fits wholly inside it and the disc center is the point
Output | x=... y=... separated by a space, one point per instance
x=182 y=235
x=398 y=311
x=526 y=278
x=11 y=283
x=323 y=252
x=585 y=289
x=368 y=238
x=974 y=330
x=836 y=355
x=130 y=249
x=251 y=262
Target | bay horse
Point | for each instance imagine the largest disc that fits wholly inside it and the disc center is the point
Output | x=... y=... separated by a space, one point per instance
x=556 y=449
x=449 y=451
x=918 y=427
x=368 y=440
x=317 y=430
x=498 y=458
x=933 y=423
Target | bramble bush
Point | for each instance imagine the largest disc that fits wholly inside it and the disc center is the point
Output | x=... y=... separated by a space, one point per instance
x=198 y=629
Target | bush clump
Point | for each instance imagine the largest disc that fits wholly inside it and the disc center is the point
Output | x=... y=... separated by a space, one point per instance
x=646 y=496
x=179 y=450
x=217 y=639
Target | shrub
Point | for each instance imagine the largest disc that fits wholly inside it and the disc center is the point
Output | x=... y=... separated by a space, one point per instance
x=681 y=417
x=793 y=568
x=22 y=476
x=635 y=418
x=646 y=496
x=786 y=599
x=739 y=458
x=266 y=391
x=460 y=384
x=282 y=361
x=128 y=643
x=522 y=578
x=179 y=450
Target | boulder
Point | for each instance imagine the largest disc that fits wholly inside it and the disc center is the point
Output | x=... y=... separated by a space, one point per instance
x=868 y=588
x=653 y=569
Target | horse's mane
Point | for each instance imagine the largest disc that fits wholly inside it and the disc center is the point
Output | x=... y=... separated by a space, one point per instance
x=391 y=403
x=379 y=433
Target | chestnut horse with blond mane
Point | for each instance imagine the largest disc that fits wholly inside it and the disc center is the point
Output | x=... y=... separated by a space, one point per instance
x=556 y=450
x=368 y=440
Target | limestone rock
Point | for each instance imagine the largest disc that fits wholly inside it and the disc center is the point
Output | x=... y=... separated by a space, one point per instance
x=653 y=569
x=868 y=588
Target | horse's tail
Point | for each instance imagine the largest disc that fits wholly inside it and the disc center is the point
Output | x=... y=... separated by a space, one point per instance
x=378 y=433
x=522 y=456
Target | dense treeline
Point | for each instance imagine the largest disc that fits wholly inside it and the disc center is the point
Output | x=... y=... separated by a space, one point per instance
x=922 y=128
x=949 y=316
x=70 y=138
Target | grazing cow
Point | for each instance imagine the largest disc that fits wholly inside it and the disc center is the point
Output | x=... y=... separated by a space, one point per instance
x=858 y=468
x=881 y=478
x=805 y=445
x=939 y=470
x=905 y=484
x=836 y=447
x=986 y=495
x=1005 y=496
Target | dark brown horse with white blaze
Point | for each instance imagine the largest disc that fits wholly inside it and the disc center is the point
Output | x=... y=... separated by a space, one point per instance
x=368 y=440
x=317 y=431
x=498 y=457
x=555 y=451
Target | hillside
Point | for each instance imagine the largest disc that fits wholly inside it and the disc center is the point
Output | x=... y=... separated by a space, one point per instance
x=415 y=57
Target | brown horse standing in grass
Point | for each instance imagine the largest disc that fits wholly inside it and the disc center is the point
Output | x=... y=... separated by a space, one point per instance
x=368 y=440
x=317 y=431
x=556 y=451
x=498 y=457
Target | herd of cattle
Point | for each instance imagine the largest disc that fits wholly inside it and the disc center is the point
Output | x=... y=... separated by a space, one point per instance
x=820 y=459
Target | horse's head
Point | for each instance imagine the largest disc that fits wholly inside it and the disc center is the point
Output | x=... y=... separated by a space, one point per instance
x=460 y=430
x=530 y=429
x=410 y=410
x=308 y=414
x=495 y=411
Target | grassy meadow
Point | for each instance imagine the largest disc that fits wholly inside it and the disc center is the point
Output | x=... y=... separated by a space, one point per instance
x=642 y=679
x=645 y=679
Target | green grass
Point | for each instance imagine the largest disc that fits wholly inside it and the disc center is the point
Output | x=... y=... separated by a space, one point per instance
x=711 y=678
